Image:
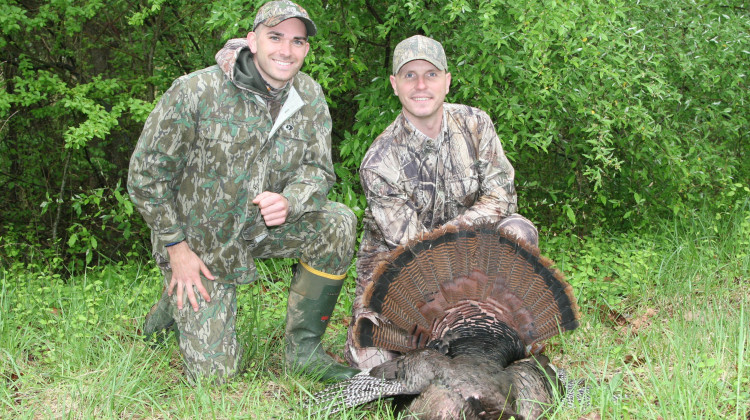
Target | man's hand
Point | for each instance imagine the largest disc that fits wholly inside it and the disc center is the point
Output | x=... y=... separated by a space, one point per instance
x=186 y=270
x=273 y=207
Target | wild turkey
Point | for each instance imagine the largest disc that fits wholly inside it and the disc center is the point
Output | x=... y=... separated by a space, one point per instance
x=467 y=307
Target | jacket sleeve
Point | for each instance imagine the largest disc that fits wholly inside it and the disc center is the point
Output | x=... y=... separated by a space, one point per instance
x=308 y=190
x=497 y=190
x=392 y=210
x=158 y=162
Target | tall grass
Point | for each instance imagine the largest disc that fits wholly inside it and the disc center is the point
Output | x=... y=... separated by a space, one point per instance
x=664 y=334
x=672 y=341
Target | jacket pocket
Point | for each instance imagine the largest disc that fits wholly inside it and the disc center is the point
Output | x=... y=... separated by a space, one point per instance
x=224 y=149
x=289 y=148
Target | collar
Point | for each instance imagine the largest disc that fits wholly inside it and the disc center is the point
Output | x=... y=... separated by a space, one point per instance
x=419 y=140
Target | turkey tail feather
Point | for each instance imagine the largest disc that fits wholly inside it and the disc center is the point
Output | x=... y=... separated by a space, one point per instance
x=454 y=269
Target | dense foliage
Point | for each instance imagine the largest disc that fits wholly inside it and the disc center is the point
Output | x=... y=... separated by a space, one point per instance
x=614 y=113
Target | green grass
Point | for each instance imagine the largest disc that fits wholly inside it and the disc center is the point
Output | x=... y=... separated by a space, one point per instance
x=664 y=334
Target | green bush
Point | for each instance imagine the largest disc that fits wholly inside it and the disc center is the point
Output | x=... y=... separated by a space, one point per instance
x=614 y=113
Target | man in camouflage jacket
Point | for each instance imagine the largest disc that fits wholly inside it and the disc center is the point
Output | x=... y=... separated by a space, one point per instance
x=436 y=164
x=233 y=164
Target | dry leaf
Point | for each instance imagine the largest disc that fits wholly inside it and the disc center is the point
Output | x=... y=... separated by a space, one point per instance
x=631 y=360
x=612 y=316
x=643 y=321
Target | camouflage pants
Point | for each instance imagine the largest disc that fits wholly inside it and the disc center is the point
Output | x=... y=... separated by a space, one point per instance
x=365 y=358
x=208 y=341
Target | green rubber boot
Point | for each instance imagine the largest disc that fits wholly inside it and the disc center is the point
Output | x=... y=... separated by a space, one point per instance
x=159 y=321
x=312 y=297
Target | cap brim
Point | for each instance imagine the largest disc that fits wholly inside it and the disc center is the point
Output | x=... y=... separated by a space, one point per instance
x=309 y=24
x=437 y=65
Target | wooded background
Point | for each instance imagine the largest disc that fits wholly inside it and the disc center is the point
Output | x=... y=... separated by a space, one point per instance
x=613 y=113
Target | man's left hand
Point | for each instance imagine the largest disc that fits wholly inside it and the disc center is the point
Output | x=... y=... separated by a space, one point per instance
x=274 y=207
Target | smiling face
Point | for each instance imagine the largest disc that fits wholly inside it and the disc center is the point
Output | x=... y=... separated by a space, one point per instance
x=279 y=51
x=421 y=88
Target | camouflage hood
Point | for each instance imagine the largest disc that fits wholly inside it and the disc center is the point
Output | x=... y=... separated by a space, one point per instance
x=227 y=58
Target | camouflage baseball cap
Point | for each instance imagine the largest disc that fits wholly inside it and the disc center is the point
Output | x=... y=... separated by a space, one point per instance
x=275 y=12
x=419 y=47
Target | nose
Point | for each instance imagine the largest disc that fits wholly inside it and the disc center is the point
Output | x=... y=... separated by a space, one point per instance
x=421 y=82
x=286 y=48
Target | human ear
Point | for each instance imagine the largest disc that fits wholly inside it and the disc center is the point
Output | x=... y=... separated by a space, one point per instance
x=252 y=42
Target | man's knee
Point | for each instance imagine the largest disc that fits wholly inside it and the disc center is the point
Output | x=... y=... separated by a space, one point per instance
x=340 y=221
x=328 y=242
x=339 y=229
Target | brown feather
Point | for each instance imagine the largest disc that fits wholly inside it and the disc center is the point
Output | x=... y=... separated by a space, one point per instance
x=419 y=284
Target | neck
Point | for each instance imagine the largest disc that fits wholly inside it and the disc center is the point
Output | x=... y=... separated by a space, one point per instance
x=431 y=127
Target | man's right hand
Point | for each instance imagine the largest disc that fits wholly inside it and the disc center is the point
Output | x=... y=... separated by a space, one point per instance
x=186 y=270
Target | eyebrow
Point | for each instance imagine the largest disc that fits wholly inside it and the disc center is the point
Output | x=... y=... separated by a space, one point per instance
x=432 y=70
x=281 y=35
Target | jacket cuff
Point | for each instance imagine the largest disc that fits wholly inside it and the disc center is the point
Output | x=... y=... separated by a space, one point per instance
x=294 y=210
x=171 y=238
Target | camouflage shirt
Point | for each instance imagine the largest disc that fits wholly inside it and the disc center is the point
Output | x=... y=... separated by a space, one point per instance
x=413 y=183
x=209 y=147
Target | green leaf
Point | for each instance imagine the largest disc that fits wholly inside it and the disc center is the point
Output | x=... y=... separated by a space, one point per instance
x=571 y=215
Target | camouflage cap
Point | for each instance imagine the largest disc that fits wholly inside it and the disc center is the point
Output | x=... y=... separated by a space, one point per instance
x=275 y=12
x=419 y=47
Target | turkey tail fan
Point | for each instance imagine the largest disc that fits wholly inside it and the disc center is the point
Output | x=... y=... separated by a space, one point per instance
x=463 y=275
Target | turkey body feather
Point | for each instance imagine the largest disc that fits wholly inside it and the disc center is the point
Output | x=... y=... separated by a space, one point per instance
x=465 y=305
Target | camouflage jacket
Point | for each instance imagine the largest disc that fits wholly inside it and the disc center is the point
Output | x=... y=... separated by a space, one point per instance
x=413 y=183
x=209 y=147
